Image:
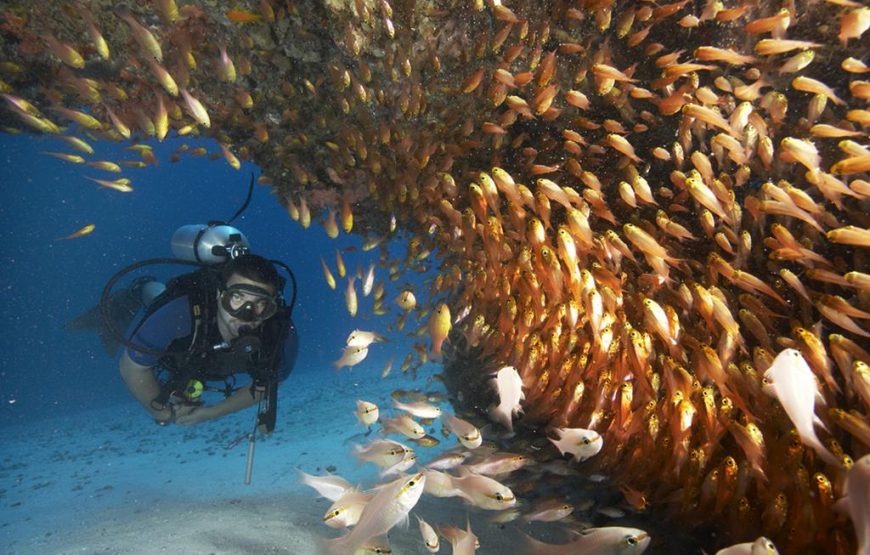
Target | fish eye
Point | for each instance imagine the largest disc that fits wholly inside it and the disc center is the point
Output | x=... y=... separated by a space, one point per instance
x=586 y=441
x=631 y=540
x=498 y=496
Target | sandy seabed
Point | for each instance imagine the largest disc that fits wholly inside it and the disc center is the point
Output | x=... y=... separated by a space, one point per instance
x=110 y=481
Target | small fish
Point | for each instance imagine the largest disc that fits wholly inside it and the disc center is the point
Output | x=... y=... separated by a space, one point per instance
x=347 y=509
x=509 y=387
x=484 y=492
x=195 y=108
x=467 y=433
x=400 y=467
x=72 y=158
x=330 y=486
x=427 y=441
x=80 y=233
x=420 y=409
x=406 y=300
x=339 y=264
x=366 y=412
x=305 y=218
x=147 y=42
x=607 y=540
x=579 y=442
x=327 y=274
x=405 y=425
x=448 y=461
x=121 y=185
x=439 y=328
x=500 y=463
x=66 y=53
x=550 y=510
x=359 y=338
x=351 y=356
x=430 y=538
x=761 y=546
x=382 y=452
x=792 y=382
x=368 y=280
x=105 y=165
x=350 y=297
x=390 y=505
x=621 y=145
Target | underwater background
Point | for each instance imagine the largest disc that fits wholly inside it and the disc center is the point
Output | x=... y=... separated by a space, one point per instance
x=85 y=470
x=638 y=205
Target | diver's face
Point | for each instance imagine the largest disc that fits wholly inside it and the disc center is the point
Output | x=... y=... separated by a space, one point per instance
x=243 y=302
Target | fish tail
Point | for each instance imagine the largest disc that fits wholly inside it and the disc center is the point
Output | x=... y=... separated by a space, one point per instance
x=501 y=415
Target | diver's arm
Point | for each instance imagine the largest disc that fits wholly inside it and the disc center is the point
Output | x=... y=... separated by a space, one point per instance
x=143 y=385
x=239 y=400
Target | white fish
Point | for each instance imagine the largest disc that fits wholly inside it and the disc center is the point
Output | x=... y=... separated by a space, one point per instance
x=857 y=501
x=448 y=461
x=419 y=409
x=406 y=300
x=580 y=442
x=363 y=339
x=390 y=505
x=468 y=434
x=405 y=425
x=351 y=356
x=794 y=384
x=367 y=413
x=549 y=510
x=499 y=463
x=400 y=467
x=608 y=540
x=430 y=538
x=368 y=280
x=761 y=546
x=330 y=486
x=509 y=386
x=484 y=492
x=382 y=452
x=346 y=510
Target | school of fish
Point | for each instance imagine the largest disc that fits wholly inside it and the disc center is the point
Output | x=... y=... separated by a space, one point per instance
x=655 y=213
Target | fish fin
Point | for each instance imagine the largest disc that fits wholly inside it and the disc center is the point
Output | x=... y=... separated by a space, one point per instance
x=818 y=422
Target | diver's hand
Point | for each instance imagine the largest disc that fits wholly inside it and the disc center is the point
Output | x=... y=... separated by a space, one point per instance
x=163 y=416
x=188 y=415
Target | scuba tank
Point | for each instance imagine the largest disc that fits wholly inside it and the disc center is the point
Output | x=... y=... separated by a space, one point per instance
x=214 y=243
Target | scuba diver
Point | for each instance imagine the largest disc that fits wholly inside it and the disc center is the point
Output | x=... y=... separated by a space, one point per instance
x=202 y=329
x=207 y=327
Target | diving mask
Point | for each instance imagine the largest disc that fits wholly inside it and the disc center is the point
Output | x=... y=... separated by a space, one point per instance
x=248 y=303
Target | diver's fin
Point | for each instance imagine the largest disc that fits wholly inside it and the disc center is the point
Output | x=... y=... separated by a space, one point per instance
x=122 y=305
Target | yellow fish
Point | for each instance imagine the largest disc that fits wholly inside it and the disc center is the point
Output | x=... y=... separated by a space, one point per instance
x=350 y=296
x=439 y=328
x=80 y=233
x=330 y=279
